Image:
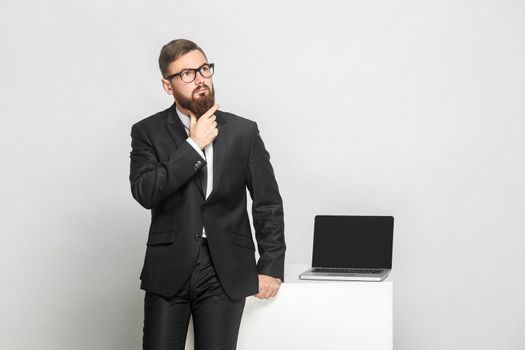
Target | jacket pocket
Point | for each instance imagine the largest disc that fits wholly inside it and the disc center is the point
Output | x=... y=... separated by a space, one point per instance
x=158 y=238
x=242 y=240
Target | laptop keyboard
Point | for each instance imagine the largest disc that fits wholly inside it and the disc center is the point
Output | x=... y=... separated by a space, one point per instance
x=345 y=270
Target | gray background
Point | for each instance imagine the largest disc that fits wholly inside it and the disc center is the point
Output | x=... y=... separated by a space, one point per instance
x=407 y=108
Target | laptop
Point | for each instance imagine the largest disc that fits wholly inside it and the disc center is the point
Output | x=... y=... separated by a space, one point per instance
x=351 y=248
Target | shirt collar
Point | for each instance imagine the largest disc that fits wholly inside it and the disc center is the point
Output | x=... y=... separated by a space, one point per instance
x=184 y=118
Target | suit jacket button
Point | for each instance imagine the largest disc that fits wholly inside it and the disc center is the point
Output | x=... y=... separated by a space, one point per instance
x=203 y=208
x=197 y=236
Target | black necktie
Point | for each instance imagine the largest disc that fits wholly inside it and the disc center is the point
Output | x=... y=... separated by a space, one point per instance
x=204 y=174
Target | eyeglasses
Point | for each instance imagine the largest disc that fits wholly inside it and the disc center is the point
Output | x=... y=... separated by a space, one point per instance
x=189 y=75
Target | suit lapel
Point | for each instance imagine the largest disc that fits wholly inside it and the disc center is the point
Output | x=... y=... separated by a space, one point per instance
x=175 y=126
x=179 y=135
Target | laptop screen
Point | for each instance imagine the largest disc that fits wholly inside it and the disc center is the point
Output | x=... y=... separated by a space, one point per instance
x=353 y=241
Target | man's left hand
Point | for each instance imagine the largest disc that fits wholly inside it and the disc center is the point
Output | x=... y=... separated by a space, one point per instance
x=268 y=287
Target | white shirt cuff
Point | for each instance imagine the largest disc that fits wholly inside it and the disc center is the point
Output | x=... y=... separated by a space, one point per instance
x=194 y=145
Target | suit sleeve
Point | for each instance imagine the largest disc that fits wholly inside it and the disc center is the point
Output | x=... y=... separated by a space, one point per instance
x=151 y=180
x=267 y=210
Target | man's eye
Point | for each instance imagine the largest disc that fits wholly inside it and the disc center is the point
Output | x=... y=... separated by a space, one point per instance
x=185 y=73
x=205 y=69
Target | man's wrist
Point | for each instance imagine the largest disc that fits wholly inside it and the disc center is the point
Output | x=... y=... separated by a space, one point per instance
x=195 y=146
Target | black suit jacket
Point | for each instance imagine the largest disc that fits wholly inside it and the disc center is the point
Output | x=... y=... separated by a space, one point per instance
x=164 y=178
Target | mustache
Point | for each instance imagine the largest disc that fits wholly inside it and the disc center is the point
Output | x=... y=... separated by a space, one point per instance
x=200 y=87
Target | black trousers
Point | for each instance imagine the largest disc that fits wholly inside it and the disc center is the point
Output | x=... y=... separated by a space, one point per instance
x=216 y=317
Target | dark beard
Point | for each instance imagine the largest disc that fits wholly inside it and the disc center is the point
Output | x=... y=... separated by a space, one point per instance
x=196 y=105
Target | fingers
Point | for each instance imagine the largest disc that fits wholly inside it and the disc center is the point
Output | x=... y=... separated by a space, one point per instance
x=267 y=293
x=268 y=290
x=210 y=112
x=207 y=118
x=272 y=291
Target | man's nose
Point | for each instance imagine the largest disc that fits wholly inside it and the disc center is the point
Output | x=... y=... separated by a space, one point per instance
x=199 y=79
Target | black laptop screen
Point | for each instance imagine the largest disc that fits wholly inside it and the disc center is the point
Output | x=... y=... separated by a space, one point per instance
x=353 y=241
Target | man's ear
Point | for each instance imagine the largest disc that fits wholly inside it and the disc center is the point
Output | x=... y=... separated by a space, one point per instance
x=167 y=86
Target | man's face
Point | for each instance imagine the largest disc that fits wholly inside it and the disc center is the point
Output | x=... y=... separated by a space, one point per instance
x=197 y=96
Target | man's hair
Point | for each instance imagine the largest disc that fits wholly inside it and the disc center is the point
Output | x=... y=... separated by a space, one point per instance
x=173 y=50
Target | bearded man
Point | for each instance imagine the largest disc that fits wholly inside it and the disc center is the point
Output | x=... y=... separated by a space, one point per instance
x=190 y=165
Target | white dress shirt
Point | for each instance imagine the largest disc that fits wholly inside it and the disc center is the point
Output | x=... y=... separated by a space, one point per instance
x=207 y=155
